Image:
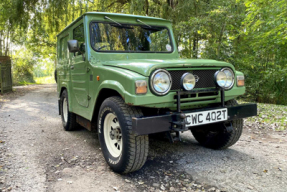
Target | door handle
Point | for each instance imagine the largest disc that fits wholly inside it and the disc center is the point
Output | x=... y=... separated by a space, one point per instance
x=72 y=67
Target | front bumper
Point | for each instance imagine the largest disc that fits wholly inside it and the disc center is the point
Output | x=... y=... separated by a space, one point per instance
x=176 y=121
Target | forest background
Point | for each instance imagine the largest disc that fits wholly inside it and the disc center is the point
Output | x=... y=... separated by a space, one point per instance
x=250 y=34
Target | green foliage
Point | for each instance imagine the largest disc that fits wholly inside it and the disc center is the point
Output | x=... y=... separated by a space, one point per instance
x=252 y=35
x=23 y=67
x=45 y=80
x=262 y=53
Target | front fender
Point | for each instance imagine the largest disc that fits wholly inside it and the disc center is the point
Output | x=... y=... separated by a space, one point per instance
x=114 y=85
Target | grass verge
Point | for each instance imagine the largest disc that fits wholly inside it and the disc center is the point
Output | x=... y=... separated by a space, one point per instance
x=274 y=116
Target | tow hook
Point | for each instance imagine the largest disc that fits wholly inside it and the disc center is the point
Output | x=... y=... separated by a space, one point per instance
x=228 y=127
x=172 y=138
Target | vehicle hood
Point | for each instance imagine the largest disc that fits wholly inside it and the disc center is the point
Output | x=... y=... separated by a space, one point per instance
x=146 y=66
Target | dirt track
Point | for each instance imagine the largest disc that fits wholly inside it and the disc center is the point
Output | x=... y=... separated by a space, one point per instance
x=37 y=155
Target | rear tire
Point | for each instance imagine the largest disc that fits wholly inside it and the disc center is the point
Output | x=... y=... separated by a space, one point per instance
x=123 y=151
x=68 y=118
x=214 y=136
x=55 y=75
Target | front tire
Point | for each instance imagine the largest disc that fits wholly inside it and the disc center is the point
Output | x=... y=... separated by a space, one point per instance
x=123 y=151
x=215 y=137
x=68 y=118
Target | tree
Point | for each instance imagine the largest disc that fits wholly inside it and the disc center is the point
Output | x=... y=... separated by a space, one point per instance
x=247 y=33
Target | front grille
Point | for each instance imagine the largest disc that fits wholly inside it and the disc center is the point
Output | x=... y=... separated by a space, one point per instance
x=206 y=78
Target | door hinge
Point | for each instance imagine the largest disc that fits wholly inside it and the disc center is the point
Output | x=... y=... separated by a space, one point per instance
x=88 y=69
x=89 y=98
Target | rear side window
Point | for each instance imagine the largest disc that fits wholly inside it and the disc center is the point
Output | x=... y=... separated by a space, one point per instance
x=79 y=35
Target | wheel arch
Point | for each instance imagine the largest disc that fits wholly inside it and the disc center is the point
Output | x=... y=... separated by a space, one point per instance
x=104 y=93
x=69 y=96
x=61 y=91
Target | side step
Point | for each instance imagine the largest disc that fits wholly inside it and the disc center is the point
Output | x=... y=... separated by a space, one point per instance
x=85 y=123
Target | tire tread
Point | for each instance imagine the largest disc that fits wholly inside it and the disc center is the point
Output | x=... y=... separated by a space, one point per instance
x=71 y=124
x=138 y=145
x=227 y=139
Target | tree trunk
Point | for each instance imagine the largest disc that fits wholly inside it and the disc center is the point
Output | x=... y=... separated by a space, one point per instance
x=73 y=8
x=172 y=3
x=195 y=35
x=81 y=10
x=66 y=14
x=195 y=45
x=87 y=5
x=7 y=44
x=0 y=43
x=146 y=7
x=189 y=46
x=220 y=40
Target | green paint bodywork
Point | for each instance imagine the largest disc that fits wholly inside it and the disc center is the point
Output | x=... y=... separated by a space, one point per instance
x=119 y=71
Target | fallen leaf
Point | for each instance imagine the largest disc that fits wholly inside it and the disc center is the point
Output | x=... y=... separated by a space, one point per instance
x=128 y=181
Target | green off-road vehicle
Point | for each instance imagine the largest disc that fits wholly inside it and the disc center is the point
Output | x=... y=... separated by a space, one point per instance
x=122 y=76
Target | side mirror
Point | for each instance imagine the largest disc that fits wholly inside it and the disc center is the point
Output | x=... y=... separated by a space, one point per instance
x=73 y=46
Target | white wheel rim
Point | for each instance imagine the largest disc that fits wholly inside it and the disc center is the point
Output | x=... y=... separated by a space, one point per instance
x=65 y=110
x=113 y=135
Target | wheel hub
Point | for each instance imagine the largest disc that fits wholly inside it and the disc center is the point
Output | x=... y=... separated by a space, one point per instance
x=113 y=135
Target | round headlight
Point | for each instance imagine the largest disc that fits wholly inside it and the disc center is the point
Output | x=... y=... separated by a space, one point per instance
x=188 y=81
x=220 y=78
x=160 y=82
x=230 y=77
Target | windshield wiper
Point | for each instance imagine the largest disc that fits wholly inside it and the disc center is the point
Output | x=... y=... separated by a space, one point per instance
x=148 y=27
x=106 y=17
x=143 y=23
x=118 y=25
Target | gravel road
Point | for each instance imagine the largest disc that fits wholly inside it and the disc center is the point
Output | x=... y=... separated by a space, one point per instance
x=36 y=154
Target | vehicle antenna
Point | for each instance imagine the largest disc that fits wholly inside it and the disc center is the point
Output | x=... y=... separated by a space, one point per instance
x=143 y=23
x=112 y=20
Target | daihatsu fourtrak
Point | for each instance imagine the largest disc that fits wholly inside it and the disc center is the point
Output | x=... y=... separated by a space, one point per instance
x=121 y=75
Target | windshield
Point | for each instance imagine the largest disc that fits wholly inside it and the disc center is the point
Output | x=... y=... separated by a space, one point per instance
x=130 y=38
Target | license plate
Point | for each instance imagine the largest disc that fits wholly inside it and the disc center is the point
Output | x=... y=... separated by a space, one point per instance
x=206 y=117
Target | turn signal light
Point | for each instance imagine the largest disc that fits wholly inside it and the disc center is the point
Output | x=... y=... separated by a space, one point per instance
x=141 y=87
x=240 y=81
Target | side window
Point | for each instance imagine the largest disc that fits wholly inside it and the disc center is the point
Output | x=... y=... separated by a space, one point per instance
x=63 y=52
x=79 y=35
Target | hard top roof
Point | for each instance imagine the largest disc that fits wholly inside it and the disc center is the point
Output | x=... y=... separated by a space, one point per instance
x=111 y=14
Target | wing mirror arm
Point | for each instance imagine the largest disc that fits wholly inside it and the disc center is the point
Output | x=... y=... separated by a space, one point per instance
x=73 y=47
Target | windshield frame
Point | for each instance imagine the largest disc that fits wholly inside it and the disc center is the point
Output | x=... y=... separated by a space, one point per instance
x=114 y=51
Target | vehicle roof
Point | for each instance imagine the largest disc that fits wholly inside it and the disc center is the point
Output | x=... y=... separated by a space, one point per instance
x=111 y=14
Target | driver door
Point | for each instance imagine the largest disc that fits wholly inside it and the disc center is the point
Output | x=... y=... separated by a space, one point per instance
x=78 y=69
